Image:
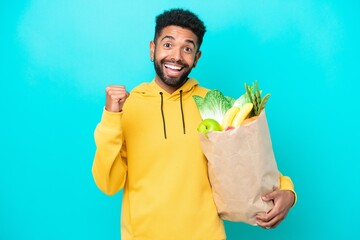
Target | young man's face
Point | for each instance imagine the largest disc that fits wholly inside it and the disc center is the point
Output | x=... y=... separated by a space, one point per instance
x=175 y=54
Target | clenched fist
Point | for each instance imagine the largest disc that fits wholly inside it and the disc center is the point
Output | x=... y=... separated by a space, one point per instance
x=115 y=98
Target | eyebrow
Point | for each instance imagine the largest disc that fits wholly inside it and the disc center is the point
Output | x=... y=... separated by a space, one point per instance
x=172 y=38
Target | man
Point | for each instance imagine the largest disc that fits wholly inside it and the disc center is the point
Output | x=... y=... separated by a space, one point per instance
x=147 y=143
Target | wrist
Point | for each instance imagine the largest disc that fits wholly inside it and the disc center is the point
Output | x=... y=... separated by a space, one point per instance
x=113 y=108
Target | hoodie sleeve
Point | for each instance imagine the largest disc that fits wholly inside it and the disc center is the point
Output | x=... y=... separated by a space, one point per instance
x=287 y=184
x=109 y=167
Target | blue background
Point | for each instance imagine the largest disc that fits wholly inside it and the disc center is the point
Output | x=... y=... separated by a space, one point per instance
x=58 y=56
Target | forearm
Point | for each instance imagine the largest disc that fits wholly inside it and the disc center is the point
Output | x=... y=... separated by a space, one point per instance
x=287 y=184
x=109 y=169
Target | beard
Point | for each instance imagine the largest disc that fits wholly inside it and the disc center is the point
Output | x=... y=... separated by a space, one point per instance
x=172 y=81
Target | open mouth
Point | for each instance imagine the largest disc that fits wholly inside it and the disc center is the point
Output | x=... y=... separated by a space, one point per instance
x=173 y=67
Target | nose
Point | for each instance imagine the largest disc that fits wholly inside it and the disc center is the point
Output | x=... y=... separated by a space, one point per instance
x=176 y=54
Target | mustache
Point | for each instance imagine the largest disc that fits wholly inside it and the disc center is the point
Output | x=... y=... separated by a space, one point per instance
x=179 y=62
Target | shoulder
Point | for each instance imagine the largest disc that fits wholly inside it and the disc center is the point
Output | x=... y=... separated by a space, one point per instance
x=201 y=91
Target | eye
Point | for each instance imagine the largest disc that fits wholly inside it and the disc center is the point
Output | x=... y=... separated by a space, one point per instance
x=188 y=49
x=167 y=45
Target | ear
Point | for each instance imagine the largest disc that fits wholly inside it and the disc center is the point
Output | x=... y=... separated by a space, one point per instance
x=197 y=56
x=152 y=49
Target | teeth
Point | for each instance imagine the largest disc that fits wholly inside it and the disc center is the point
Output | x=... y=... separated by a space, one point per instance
x=173 y=67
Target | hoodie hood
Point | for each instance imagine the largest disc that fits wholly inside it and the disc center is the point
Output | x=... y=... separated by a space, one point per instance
x=152 y=89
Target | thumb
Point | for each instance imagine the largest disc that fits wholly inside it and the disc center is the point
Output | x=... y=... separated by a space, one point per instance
x=269 y=196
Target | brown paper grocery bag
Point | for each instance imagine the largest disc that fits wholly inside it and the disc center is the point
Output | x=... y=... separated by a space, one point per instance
x=242 y=168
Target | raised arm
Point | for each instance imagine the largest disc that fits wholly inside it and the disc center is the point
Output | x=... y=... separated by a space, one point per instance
x=109 y=167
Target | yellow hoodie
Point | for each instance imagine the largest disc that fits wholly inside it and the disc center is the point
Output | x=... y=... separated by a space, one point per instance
x=152 y=149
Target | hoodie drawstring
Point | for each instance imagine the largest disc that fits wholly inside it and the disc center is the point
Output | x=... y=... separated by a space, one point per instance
x=162 y=113
x=182 y=112
x=163 y=116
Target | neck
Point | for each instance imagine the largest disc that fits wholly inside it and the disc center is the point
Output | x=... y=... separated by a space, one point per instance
x=167 y=88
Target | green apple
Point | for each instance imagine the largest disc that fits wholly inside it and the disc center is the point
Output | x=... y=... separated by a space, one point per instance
x=208 y=125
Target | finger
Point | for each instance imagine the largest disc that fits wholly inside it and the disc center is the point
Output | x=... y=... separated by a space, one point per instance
x=125 y=94
x=115 y=91
x=117 y=94
x=117 y=98
x=270 y=196
x=276 y=224
x=269 y=224
x=272 y=213
x=264 y=225
x=260 y=215
x=266 y=217
x=274 y=219
x=115 y=88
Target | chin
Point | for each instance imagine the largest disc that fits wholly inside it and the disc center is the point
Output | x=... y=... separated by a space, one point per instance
x=175 y=82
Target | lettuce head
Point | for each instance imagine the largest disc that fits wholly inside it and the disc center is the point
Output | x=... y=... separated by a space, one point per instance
x=214 y=105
